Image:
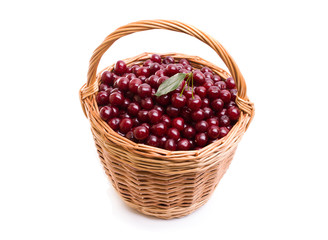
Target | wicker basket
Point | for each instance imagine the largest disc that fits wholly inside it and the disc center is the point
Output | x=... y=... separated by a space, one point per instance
x=154 y=181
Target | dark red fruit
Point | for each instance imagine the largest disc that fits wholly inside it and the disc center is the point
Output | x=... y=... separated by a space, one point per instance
x=108 y=78
x=173 y=133
x=225 y=95
x=213 y=92
x=199 y=78
x=183 y=144
x=116 y=99
x=147 y=103
x=103 y=87
x=144 y=90
x=143 y=71
x=189 y=132
x=233 y=94
x=178 y=123
x=233 y=113
x=166 y=120
x=224 y=121
x=133 y=109
x=170 y=145
x=201 y=126
x=126 y=125
x=194 y=103
x=213 y=121
x=141 y=133
x=120 y=67
x=154 y=116
x=201 y=91
x=222 y=85
x=213 y=132
x=217 y=105
x=163 y=100
x=154 y=67
x=153 y=141
x=102 y=98
x=156 y=58
x=208 y=112
x=230 y=83
x=184 y=61
x=159 y=129
x=134 y=84
x=143 y=116
x=152 y=81
x=178 y=101
x=205 y=103
x=198 y=115
x=106 y=113
x=216 y=78
x=168 y=60
x=223 y=132
x=123 y=83
x=114 y=123
x=172 y=111
x=201 y=139
x=171 y=69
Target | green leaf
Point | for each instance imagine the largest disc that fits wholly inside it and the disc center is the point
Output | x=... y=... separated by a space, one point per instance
x=170 y=84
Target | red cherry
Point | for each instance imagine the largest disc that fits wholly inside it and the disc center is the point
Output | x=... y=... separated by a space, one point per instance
x=116 y=98
x=156 y=58
x=120 y=67
x=201 y=126
x=183 y=144
x=230 y=83
x=178 y=123
x=141 y=133
x=178 y=101
x=114 y=123
x=159 y=129
x=170 y=145
x=173 y=133
x=189 y=132
x=213 y=132
x=144 y=90
x=153 y=141
x=108 y=78
x=102 y=98
x=223 y=132
x=126 y=125
x=233 y=113
x=213 y=92
x=201 y=139
x=134 y=84
x=154 y=116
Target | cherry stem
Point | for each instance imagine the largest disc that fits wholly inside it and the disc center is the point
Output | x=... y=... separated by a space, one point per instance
x=190 y=76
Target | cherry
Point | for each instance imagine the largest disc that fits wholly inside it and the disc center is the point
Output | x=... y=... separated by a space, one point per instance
x=217 y=104
x=141 y=133
x=103 y=87
x=134 y=84
x=123 y=83
x=163 y=100
x=178 y=101
x=159 y=109
x=184 y=61
x=233 y=93
x=222 y=85
x=156 y=58
x=153 y=141
x=199 y=77
x=205 y=103
x=152 y=81
x=194 y=103
x=213 y=92
x=170 y=145
x=154 y=116
x=166 y=120
x=161 y=80
x=201 y=139
x=201 y=126
x=225 y=95
x=133 y=109
x=213 y=132
x=233 y=113
x=178 y=123
x=208 y=75
x=172 y=111
x=168 y=60
x=224 y=121
x=126 y=103
x=186 y=113
x=198 y=115
x=230 y=83
x=126 y=125
x=159 y=129
x=201 y=91
x=143 y=116
x=130 y=76
x=171 y=69
x=106 y=113
x=159 y=73
x=114 y=123
x=116 y=98
x=162 y=141
x=216 y=78
x=188 y=93
x=223 y=132
x=146 y=125
x=147 y=103
x=129 y=135
x=102 y=98
x=183 y=144
x=108 y=78
x=120 y=67
x=147 y=63
x=143 y=71
x=208 y=112
x=213 y=121
x=136 y=122
x=189 y=132
x=173 y=133
x=205 y=69
x=144 y=90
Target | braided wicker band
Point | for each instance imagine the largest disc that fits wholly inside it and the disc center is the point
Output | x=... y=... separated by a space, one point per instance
x=158 y=182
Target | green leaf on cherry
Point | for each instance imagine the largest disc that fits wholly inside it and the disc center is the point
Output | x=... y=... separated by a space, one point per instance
x=170 y=84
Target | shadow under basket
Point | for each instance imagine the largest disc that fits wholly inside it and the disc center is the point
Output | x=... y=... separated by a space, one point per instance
x=157 y=182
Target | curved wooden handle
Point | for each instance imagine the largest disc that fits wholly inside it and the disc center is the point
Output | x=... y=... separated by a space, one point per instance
x=144 y=25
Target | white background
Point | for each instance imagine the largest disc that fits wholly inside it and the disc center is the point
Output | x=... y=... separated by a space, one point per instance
x=52 y=185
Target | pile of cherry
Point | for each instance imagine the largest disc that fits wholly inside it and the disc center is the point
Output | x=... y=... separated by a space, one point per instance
x=189 y=117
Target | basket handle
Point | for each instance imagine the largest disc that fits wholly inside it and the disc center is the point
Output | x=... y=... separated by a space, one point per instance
x=92 y=87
